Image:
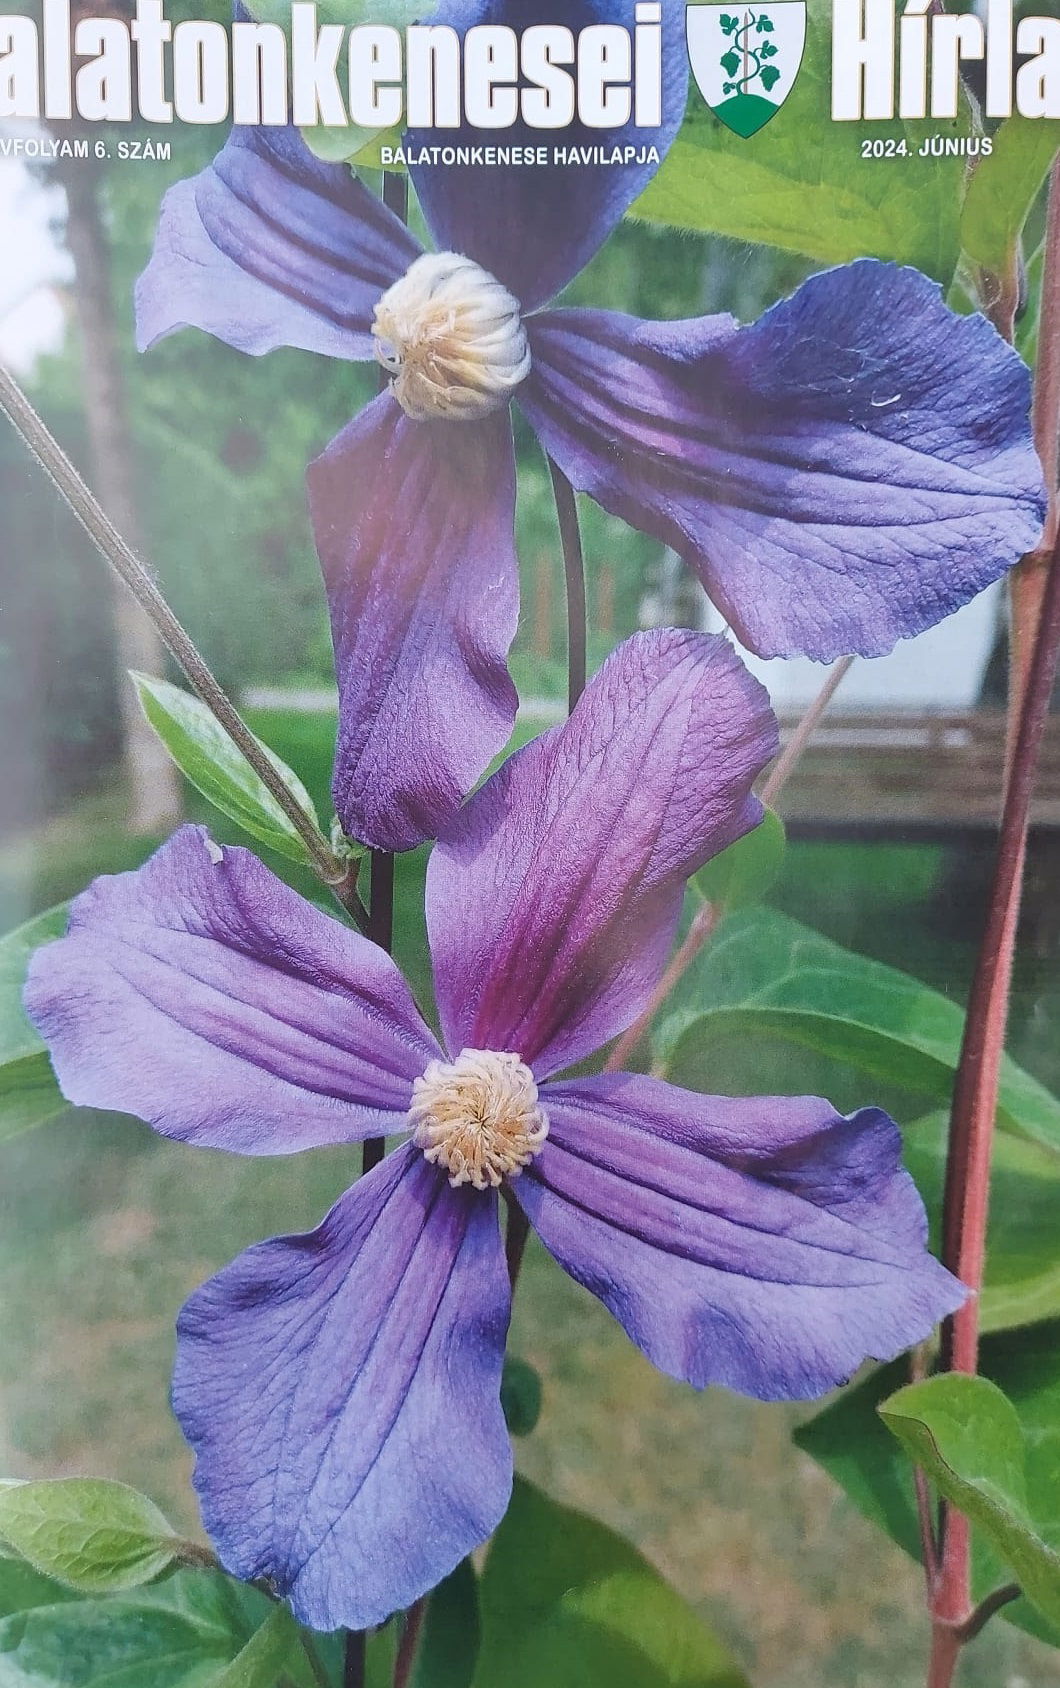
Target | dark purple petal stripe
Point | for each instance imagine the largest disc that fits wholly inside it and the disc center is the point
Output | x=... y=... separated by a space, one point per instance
x=553 y=899
x=270 y=247
x=843 y=473
x=206 y=996
x=414 y=527
x=763 y=1243
x=535 y=226
x=342 y=1393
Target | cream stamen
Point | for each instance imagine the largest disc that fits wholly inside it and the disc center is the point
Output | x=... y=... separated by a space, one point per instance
x=478 y=1117
x=453 y=339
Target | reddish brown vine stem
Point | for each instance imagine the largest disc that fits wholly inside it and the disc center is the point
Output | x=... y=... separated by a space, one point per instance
x=966 y=1201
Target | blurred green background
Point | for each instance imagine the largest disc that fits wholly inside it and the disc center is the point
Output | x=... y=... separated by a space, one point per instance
x=105 y=1228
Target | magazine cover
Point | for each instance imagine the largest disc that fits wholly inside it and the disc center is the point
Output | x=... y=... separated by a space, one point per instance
x=529 y=844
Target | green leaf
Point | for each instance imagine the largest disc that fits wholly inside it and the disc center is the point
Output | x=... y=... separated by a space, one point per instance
x=1003 y=188
x=178 y=1635
x=567 y=1602
x=97 y=1536
x=966 y=1434
x=1022 y=1282
x=765 y=980
x=266 y=1655
x=744 y=872
x=449 y=1646
x=800 y=183
x=520 y=1396
x=29 y=1094
x=211 y=763
x=849 y=1439
x=22 y=1587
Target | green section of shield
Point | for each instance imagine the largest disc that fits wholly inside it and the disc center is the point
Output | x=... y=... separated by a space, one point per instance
x=745 y=114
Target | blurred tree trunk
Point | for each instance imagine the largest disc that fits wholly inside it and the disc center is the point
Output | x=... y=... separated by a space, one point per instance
x=154 y=791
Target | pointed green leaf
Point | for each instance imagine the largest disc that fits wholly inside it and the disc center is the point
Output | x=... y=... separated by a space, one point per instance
x=800 y=184
x=764 y=980
x=567 y=1602
x=29 y=1094
x=1004 y=186
x=211 y=763
x=178 y=1635
x=966 y=1434
x=94 y=1535
x=266 y=1655
x=849 y=1439
x=22 y=1587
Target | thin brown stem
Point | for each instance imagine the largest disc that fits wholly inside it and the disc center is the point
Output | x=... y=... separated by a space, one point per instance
x=791 y=755
x=410 y=1640
x=136 y=575
x=706 y=920
x=574 y=575
x=967 y=1189
x=987 y=1608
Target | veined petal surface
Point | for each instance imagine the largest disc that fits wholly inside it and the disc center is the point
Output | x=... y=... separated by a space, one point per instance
x=342 y=1393
x=553 y=899
x=203 y=994
x=843 y=473
x=415 y=528
x=269 y=247
x=764 y=1243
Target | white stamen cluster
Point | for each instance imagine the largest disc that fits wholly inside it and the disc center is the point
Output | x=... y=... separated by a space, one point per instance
x=453 y=339
x=478 y=1117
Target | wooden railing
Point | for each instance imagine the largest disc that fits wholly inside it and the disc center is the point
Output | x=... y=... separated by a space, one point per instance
x=911 y=772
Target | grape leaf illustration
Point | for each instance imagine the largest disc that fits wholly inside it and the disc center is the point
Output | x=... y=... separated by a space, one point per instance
x=728 y=23
x=767 y=50
x=765 y=25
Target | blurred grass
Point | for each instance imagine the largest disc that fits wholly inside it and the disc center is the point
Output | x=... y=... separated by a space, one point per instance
x=105 y=1228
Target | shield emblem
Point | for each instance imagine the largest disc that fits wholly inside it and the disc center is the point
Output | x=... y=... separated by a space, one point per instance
x=745 y=58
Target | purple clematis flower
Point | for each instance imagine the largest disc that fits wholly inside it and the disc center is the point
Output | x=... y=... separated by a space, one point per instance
x=842 y=474
x=341 y=1389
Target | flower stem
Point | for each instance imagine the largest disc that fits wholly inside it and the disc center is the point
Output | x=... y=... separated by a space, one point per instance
x=354 y=1668
x=410 y=1639
x=131 y=569
x=1035 y=650
x=1028 y=579
x=706 y=920
x=791 y=755
x=574 y=574
x=967 y=1190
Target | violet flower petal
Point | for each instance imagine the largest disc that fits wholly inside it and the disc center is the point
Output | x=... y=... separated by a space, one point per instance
x=535 y=226
x=206 y=996
x=342 y=1393
x=843 y=473
x=764 y=1243
x=270 y=247
x=553 y=899
x=414 y=524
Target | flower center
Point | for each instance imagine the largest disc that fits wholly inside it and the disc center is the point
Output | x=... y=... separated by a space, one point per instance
x=452 y=338
x=478 y=1116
